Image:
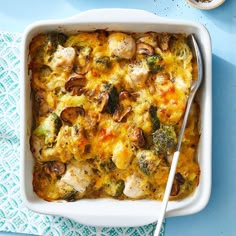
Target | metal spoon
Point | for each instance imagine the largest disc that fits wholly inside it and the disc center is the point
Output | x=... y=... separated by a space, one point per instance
x=197 y=79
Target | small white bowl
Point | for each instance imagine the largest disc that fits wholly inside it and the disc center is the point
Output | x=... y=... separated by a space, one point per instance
x=205 y=5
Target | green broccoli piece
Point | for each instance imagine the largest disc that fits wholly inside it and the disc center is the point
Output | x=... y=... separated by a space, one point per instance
x=148 y=161
x=111 y=99
x=164 y=140
x=107 y=166
x=103 y=63
x=154 y=119
x=56 y=38
x=115 y=188
x=120 y=185
x=49 y=128
x=154 y=63
x=70 y=196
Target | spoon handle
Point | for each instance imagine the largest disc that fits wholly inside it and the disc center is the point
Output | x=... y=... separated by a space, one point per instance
x=167 y=192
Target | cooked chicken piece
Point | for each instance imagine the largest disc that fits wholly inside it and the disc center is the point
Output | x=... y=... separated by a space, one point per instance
x=137 y=74
x=181 y=84
x=122 y=45
x=135 y=187
x=78 y=175
x=63 y=58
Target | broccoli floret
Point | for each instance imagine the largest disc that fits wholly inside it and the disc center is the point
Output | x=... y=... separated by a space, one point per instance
x=110 y=99
x=107 y=166
x=164 y=140
x=103 y=63
x=113 y=100
x=56 y=38
x=115 y=188
x=148 y=161
x=70 y=196
x=120 y=185
x=154 y=63
x=154 y=119
x=49 y=128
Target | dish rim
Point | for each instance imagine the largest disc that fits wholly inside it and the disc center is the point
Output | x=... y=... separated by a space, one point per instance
x=108 y=218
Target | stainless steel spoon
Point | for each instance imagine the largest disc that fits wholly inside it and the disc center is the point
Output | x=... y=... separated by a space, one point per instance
x=197 y=79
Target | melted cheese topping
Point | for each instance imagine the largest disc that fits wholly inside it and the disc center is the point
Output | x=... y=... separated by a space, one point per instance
x=100 y=100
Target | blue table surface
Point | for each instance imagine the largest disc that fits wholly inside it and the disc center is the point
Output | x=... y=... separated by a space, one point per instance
x=219 y=217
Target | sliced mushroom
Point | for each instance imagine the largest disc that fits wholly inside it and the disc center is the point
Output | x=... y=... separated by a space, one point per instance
x=164 y=41
x=180 y=179
x=149 y=38
x=124 y=95
x=75 y=84
x=175 y=188
x=121 y=113
x=70 y=114
x=55 y=168
x=41 y=103
x=127 y=95
x=145 y=49
x=137 y=137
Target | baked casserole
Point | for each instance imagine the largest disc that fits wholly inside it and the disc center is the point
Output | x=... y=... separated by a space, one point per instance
x=107 y=109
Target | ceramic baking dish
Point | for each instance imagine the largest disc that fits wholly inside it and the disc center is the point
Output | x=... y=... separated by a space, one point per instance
x=109 y=212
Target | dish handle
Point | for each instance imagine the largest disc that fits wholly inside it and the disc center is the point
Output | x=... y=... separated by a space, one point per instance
x=115 y=15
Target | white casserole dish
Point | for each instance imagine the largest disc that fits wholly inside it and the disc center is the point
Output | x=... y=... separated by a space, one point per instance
x=109 y=212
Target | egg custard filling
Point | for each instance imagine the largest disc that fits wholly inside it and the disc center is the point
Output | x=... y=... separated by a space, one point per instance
x=107 y=108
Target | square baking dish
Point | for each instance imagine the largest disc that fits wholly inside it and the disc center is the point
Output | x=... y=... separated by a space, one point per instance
x=110 y=212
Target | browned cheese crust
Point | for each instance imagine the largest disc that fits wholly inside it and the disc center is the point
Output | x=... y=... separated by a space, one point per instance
x=107 y=110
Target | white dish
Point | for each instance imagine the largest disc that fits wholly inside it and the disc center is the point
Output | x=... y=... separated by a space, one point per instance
x=108 y=212
x=206 y=5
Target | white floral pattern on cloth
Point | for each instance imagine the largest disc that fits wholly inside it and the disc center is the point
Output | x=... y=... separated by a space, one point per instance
x=14 y=216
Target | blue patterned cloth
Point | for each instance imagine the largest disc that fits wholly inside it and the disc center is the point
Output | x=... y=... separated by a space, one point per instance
x=14 y=216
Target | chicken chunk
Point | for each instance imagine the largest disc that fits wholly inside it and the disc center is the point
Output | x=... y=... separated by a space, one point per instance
x=78 y=175
x=181 y=84
x=135 y=187
x=63 y=58
x=137 y=74
x=122 y=45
